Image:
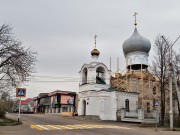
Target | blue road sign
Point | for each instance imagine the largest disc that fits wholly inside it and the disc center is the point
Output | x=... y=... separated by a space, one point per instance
x=20 y=92
x=156 y=102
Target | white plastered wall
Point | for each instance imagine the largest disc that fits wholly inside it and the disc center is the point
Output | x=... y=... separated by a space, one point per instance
x=137 y=58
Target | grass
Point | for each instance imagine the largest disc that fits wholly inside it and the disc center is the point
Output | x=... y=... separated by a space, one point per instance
x=8 y=122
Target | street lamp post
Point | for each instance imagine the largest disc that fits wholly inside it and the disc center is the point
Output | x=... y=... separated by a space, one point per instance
x=170 y=82
x=170 y=97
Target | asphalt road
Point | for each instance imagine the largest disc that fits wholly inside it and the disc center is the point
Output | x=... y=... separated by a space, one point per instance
x=41 y=124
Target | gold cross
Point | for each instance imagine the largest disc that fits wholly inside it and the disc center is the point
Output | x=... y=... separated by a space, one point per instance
x=135 y=14
x=95 y=41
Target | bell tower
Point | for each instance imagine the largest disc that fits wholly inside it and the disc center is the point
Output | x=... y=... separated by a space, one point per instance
x=95 y=75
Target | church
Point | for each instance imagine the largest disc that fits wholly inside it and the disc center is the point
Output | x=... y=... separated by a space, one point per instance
x=104 y=94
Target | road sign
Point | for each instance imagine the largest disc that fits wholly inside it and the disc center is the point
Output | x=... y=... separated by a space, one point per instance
x=156 y=102
x=20 y=92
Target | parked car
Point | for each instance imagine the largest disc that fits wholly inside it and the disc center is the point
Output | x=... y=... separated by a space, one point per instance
x=23 y=111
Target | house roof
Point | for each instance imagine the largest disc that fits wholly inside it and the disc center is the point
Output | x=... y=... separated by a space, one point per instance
x=26 y=101
x=61 y=92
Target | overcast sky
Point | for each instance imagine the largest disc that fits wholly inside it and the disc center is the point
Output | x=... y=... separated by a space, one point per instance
x=62 y=32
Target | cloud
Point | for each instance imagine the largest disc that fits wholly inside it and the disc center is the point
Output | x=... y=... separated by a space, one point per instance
x=62 y=31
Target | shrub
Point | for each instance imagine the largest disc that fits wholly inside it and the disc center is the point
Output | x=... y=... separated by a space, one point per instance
x=177 y=121
x=2 y=114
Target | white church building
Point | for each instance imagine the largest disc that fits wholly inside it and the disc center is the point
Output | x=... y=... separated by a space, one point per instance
x=96 y=96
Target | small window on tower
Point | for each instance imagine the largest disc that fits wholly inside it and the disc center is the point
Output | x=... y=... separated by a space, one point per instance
x=154 y=90
x=100 y=75
x=127 y=105
x=148 y=107
x=84 y=76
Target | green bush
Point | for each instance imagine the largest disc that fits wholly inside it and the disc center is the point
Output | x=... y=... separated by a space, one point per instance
x=2 y=114
x=177 y=121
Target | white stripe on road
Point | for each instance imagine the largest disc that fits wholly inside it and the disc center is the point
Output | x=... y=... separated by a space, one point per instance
x=66 y=127
x=53 y=126
x=43 y=127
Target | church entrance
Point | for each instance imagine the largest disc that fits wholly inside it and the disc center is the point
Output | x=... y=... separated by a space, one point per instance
x=84 y=107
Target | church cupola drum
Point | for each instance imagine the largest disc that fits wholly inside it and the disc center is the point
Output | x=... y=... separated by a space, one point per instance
x=136 y=50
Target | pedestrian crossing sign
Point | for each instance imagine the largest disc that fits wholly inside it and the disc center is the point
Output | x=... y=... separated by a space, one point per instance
x=156 y=102
x=20 y=92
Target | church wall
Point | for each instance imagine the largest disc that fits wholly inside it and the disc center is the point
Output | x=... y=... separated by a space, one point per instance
x=107 y=105
x=114 y=105
x=79 y=109
x=96 y=87
x=132 y=97
x=92 y=104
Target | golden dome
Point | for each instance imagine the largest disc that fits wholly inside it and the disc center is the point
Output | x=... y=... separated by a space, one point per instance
x=95 y=52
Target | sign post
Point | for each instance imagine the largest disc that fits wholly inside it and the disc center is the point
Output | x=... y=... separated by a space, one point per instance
x=19 y=109
x=20 y=92
x=156 y=104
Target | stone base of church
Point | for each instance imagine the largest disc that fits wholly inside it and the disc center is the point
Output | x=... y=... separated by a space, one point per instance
x=108 y=117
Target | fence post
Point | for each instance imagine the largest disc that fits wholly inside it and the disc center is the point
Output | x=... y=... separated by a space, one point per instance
x=141 y=114
x=123 y=113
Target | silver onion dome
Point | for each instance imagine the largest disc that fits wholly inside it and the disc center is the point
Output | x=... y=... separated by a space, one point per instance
x=136 y=43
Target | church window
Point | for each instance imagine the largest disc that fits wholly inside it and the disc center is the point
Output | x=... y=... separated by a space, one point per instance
x=154 y=90
x=100 y=75
x=154 y=102
x=148 y=107
x=84 y=76
x=127 y=105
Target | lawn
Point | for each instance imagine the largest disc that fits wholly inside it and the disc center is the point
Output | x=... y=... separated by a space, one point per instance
x=8 y=122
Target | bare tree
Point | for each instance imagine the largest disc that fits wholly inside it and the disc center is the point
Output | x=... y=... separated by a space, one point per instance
x=176 y=70
x=16 y=61
x=160 y=65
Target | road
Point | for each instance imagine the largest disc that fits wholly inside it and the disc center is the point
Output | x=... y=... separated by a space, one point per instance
x=41 y=124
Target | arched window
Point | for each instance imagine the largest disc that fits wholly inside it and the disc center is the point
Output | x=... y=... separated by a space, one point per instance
x=100 y=75
x=84 y=107
x=148 y=107
x=154 y=102
x=84 y=76
x=154 y=90
x=127 y=105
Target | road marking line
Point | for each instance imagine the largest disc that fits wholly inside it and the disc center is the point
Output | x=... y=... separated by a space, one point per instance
x=36 y=127
x=53 y=126
x=66 y=127
x=42 y=126
x=50 y=128
x=124 y=127
x=78 y=126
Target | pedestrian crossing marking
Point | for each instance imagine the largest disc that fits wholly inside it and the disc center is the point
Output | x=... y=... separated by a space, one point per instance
x=69 y=127
x=49 y=127
x=36 y=127
x=53 y=126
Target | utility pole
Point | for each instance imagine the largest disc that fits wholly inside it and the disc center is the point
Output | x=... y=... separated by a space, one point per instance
x=170 y=82
x=170 y=98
